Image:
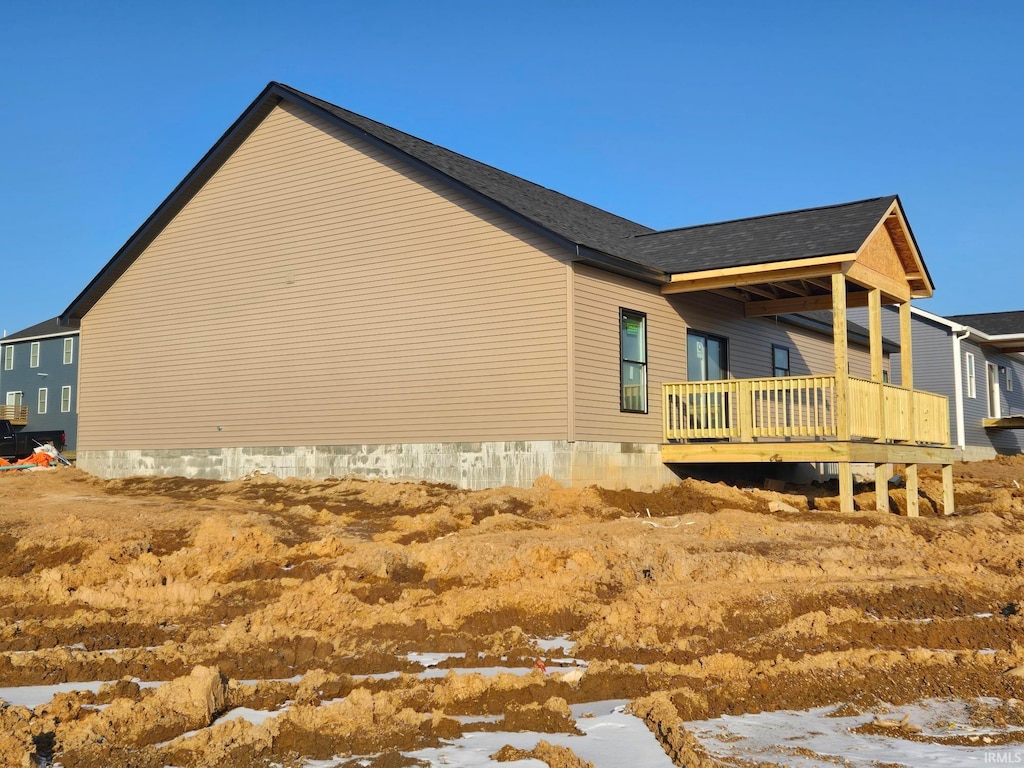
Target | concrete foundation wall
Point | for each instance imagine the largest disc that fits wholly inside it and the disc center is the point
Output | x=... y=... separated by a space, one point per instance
x=466 y=465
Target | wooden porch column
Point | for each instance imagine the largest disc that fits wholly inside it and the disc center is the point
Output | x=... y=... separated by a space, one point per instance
x=907 y=371
x=842 y=357
x=842 y=404
x=875 y=343
x=907 y=366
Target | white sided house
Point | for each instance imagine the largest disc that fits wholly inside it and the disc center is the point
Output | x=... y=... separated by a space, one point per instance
x=347 y=298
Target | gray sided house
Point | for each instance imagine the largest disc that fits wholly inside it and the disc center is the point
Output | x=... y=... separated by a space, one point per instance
x=975 y=361
x=348 y=298
x=39 y=378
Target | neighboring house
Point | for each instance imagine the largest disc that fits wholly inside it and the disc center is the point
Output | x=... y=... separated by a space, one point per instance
x=348 y=298
x=974 y=360
x=39 y=378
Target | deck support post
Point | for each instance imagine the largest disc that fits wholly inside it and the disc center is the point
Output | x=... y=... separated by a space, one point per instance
x=913 y=507
x=845 y=486
x=882 y=474
x=947 y=489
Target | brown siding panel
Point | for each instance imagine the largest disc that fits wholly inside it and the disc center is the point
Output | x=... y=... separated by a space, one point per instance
x=318 y=291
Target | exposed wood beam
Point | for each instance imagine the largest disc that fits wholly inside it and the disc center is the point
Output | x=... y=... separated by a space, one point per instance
x=825 y=285
x=740 y=277
x=801 y=304
x=759 y=291
x=870 y=278
x=793 y=288
x=732 y=293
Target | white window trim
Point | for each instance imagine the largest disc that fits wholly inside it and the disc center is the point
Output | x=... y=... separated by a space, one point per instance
x=65 y=401
x=69 y=350
x=33 y=355
x=15 y=394
x=41 y=401
x=972 y=384
x=9 y=357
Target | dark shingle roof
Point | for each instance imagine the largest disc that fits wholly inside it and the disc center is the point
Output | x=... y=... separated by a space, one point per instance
x=51 y=327
x=597 y=235
x=573 y=219
x=993 y=323
x=828 y=231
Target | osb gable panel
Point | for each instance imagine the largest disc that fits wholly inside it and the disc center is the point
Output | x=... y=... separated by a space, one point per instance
x=881 y=255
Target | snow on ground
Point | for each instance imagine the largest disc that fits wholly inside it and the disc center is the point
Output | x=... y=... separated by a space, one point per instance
x=611 y=739
x=785 y=737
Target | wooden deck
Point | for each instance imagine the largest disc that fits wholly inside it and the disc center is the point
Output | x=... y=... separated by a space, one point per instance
x=813 y=419
x=802 y=407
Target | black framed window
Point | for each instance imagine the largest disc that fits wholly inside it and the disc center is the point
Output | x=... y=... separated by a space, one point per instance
x=632 y=361
x=780 y=360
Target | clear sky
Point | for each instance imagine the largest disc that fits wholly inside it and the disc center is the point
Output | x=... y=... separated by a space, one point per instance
x=668 y=113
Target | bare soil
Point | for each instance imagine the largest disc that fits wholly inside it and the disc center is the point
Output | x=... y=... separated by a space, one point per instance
x=308 y=596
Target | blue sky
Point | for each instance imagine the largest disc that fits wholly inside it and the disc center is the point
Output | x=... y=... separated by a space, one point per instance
x=668 y=113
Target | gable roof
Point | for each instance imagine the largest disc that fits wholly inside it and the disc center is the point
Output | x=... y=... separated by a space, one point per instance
x=993 y=323
x=828 y=231
x=47 y=328
x=592 y=234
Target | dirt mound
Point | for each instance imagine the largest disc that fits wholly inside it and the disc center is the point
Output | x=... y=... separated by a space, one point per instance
x=361 y=621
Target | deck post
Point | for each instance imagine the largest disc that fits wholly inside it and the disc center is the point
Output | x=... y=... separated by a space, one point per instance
x=745 y=412
x=947 y=489
x=913 y=507
x=882 y=474
x=842 y=358
x=907 y=367
x=845 y=486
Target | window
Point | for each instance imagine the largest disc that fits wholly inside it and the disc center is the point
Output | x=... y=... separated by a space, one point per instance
x=1007 y=371
x=972 y=388
x=69 y=350
x=41 y=405
x=633 y=361
x=33 y=356
x=14 y=398
x=780 y=361
x=8 y=358
x=65 y=399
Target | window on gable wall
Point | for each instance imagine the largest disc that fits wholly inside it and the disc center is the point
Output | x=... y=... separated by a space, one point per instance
x=8 y=358
x=33 y=355
x=69 y=351
x=972 y=385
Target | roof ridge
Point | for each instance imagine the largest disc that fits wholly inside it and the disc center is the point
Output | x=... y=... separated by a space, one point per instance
x=770 y=215
x=465 y=158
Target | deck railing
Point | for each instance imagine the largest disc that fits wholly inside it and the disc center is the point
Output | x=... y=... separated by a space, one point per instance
x=801 y=407
x=16 y=414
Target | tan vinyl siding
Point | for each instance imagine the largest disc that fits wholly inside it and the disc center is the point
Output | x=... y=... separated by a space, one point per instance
x=598 y=297
x=318 y=291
